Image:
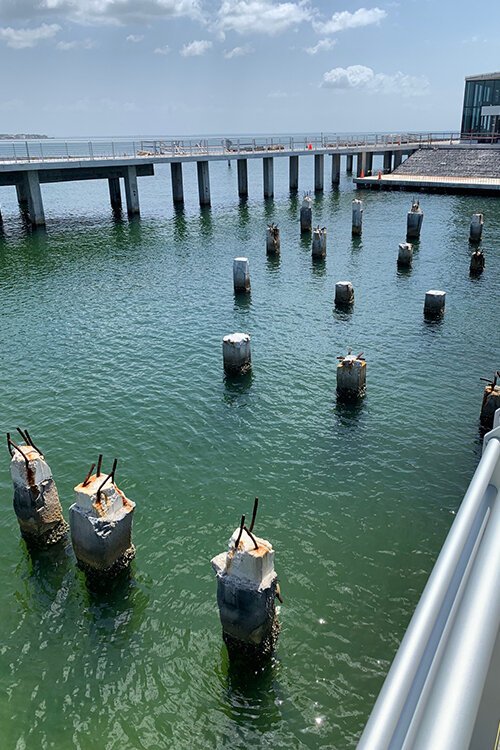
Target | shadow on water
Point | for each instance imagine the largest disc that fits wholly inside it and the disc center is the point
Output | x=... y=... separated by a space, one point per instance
x=342 y=313
x=243 y=212
x=46 y=570
x=206 y=223
x=119 y=604
x=273 y=263
x=269 y=209
x=432 y=325
x=403 y=272
x=180 y=232
x=356 y=243
x=242 y=301
x=236 y=386
x=349 y=413
x=305 y=241
x=293 y=208
x=318 y=266
x=135 y=230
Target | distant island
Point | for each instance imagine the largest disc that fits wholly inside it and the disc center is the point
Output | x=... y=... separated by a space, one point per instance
x=21 y=136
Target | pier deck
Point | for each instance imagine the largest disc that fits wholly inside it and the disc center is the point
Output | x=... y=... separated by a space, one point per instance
x=431 y=183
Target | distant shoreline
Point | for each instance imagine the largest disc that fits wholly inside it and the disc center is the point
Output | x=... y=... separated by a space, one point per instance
x=21 y=136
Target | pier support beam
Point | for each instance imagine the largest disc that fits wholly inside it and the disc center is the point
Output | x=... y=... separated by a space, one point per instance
x=177 y=184
x=131 y=191
x=348 y=163
x=22 y=196
x=203 y=182
x=294 y=173
x=335 y=169
x=242 y=177
x=115 y=195
x=369 y=163
x=361 y=164
x=319 y=172
x=268 y=170
x=398 y=158
x=387 y=162
x=31 y=188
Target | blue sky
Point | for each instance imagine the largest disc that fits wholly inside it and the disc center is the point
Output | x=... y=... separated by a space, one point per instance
x=120 y=67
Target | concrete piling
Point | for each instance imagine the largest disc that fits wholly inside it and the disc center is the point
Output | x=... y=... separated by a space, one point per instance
x=115 y=195
x=357 y=217
x=398 y=158
x=177 y=182
x=306 y=215
x=491 y=401
x=434 y=303
x=203 y=182
x=241 y=275
x=247 y=587
x=476 y=263
x=405 y=255
x=319 y=242
x=348 y=163
x=335 y=169
x=36 y=500
x=319 y=172
x=242 y=166
x=476 y=228
x=268 y=175
x=414 y=221
x=31 y=188
x=344 y=294
x=351 y=377
x=294 y=174
x=131 y=191
x=273 y=242
x=101 y=525
x=236 y=353
x=387 y=161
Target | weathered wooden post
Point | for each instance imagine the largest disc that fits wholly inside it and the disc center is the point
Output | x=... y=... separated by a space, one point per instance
x=247 y=587
x=36 y=500
x=434 y=303
x=101 y=525
x=273 y=242
x=319 y=243
x=241 y=275
x=344 y=294
x=414 y=221
x=405 y=255
x=491 y=401
x=236 y=353
x=476 y=228
x=351 y=377
x=357 y=217
x=476 y=263
x=306 y=215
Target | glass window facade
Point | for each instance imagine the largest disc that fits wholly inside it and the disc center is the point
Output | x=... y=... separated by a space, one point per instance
x=479 y=93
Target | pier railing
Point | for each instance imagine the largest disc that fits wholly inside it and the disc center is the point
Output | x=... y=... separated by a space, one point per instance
x=438 y=681
x=73 y=150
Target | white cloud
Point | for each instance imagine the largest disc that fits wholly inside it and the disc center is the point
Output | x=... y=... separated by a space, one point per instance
x=362 y=77
x=196 y=48
x=162 y=50
x=83 y=44
x=346 y=20
x=22 y=38
x=135 y=38
x=322 y=46
x=101 y=11
x=238 y=51
x=261 y=16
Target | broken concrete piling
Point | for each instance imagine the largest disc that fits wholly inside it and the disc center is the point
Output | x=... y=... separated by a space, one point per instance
x=241 y=275
x=306 y=215
x=491 y=401
x=414 y=221
x=319 y=243
x=247 y=587
x=476 y=263
x=351 y=377
x=434 y=303
x=273 y=242
x=36 y=500
x=405 y=255
x=476 y=228
x=236 y=353
x=344 y=294
x=357 y=217
x=101 y=525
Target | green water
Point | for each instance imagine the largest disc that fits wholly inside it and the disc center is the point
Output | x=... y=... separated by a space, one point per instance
x=110 y=340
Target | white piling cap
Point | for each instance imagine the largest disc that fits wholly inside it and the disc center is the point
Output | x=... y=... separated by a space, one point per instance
x=241 y=260
x=237 y=338
x=40 y=470
x=436 y=293
x=343 y=283
x=247 y=564
x=112 y=503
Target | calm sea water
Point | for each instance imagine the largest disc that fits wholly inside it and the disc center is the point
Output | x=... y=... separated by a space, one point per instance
x=110 y=338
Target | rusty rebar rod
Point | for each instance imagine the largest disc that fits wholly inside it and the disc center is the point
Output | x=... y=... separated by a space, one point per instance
x=98 y=493
x=242 y=525
x=9 y=446
x=32 y=443
x=252 y=538
x=254 y=513
x=115 y=462
x=86 y=480
x=99 y=464
x=26 y=459
x=23 y=435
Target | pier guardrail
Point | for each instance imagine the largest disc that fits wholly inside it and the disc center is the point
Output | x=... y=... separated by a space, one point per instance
x=434 y=688
x=49 y=149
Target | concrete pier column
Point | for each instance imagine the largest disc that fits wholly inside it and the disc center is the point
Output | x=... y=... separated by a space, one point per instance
x=32 y=190
x=357 y=217
x=36 y=500
x=491 y=402
x=268 y=173
x=241 y=275
x=306 y=215
x=236 y=353
x=398 y=158
x=351 y=377
x=177 y=182
x=434 y=303
x=101 y=526
x=203 y=182
x=344 y=294
x=335 y=169
x=348 y=163
x=405 y=255
x=476 y=263
x=319 y=172
x=369 y=164
x=319 y=243
x=387 y=162
x=476 y=228
x=414 y=221
x=22 y=196
x=131 y=191
x=247 y=587
x=242 y=177
x=273 y=242
x=294 y=173
x=361 y=164
x=115 y=195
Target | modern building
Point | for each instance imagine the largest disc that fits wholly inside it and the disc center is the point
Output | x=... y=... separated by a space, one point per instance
x=481 y=113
